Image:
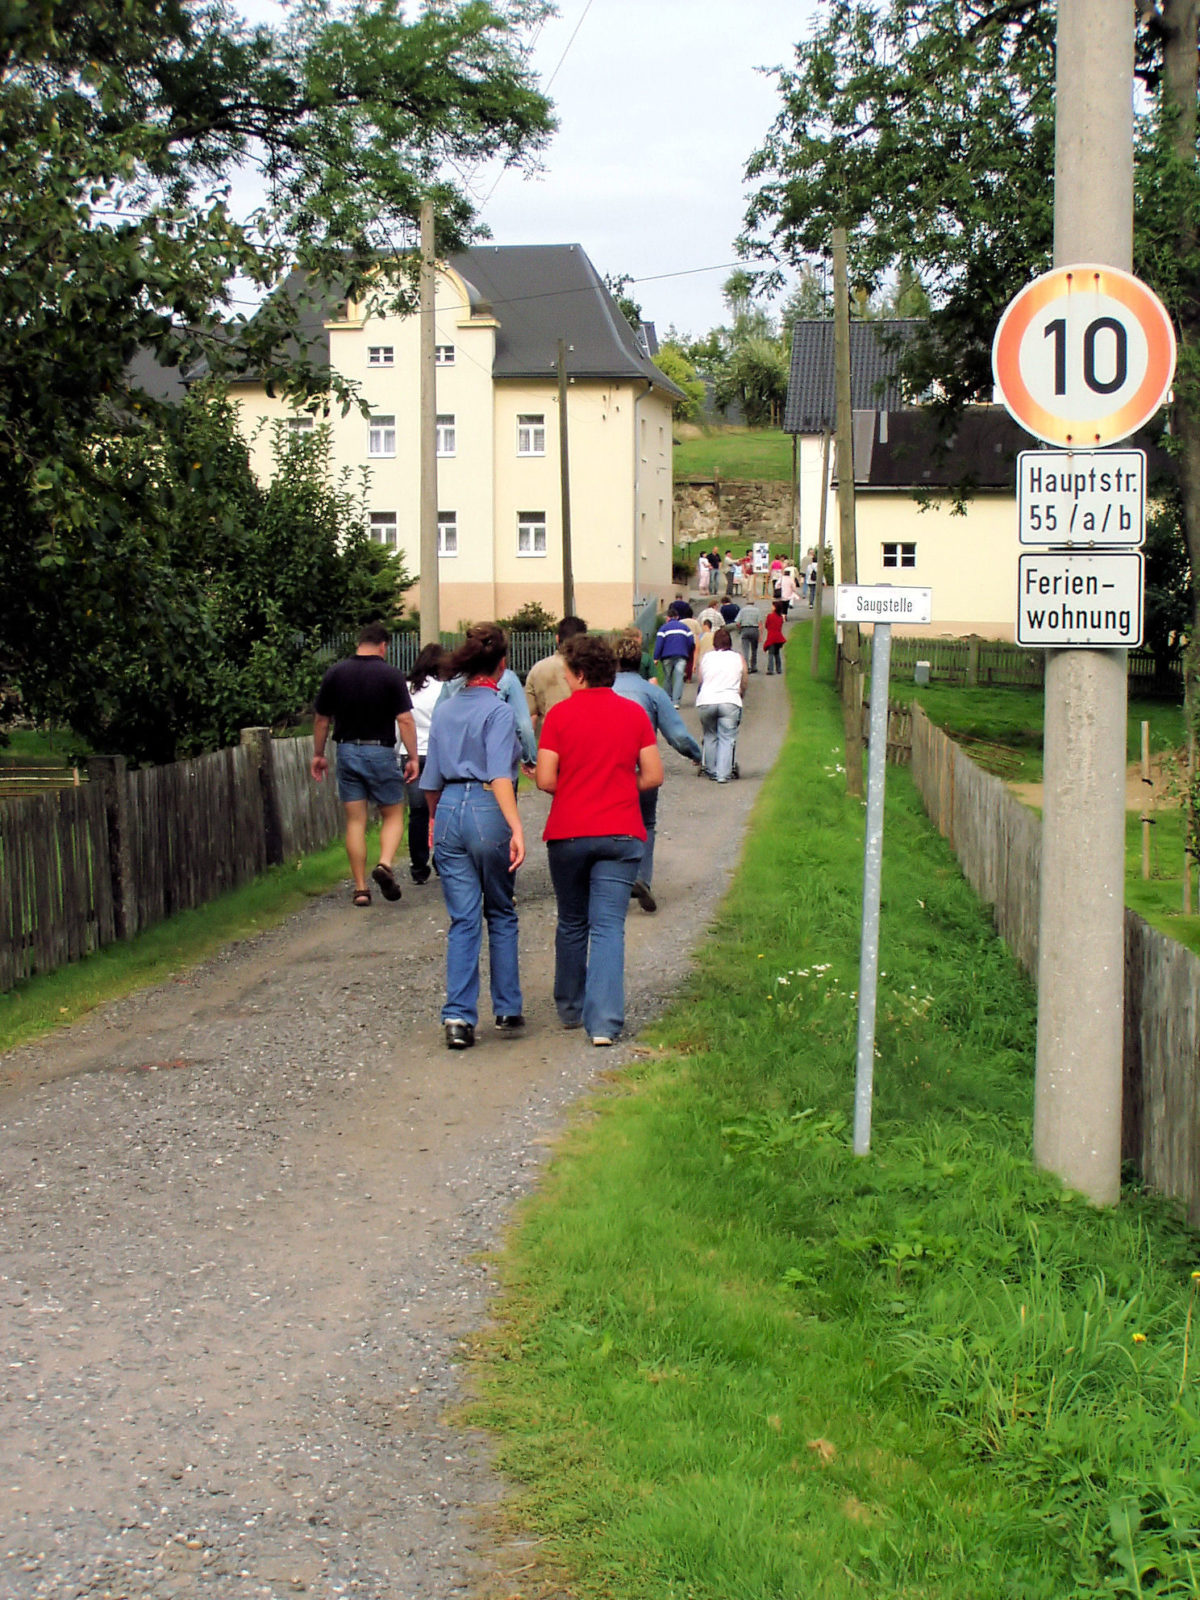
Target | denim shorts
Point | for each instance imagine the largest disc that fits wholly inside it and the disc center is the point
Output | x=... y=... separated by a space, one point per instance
x=369 y=772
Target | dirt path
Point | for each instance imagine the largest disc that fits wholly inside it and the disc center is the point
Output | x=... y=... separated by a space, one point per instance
x=241 y=1219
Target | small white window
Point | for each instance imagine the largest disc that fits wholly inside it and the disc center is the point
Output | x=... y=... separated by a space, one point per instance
x=381 y=355
x=531 y=434
x=300 y=424
x=445 y=436
x=383 y=529
x=381 y=440
x=899 y=555
x=443 y=355
x=447 y=533
x=531 y=533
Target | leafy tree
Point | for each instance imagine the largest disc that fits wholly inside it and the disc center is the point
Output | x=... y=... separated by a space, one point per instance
x=755 y=377
x=617 y=285
x=674 y=364
x=121 y=127
x=225 y=592
x=927 y=130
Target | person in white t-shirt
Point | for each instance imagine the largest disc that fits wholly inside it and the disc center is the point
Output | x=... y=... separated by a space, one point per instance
x=425 y=686
x=723 y=678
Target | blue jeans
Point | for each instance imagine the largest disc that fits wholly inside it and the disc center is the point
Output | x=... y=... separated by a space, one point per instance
x=720 y=724
x=471 y=840
x=592 y=880
x=648 y=800
x=673 y=668
x=750 y=649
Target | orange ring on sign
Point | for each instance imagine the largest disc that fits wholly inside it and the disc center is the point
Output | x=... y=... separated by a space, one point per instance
x=1150 y=315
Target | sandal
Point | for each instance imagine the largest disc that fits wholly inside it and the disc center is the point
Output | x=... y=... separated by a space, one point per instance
x=361 y=897
x=386 y=879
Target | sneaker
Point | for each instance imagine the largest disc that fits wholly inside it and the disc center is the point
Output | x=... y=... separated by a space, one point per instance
x=510 y=1024
x=459 y=1035
x=578 y=1023
x=420 y=874
x=641 y=893
x=600 y=1038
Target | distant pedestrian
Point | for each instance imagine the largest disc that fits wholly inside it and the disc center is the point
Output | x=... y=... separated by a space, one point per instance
x=366 y=700
x=425 y=686
x=546 y=682
x=597 y=753
x=719 y=701
x=773 y=642
x=812 y=575
x=664 y=719
x=679 y=607
x=730 y=572
x=702 y=571
x=714 y=569
x=749 y=621
x=712 y=615
x=729 y=611
x=470 y=778
x=673 y=651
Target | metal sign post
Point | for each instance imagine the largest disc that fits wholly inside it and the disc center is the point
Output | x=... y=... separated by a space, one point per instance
x=859 y=603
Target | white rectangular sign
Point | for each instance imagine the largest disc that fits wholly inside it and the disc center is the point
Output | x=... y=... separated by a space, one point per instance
x=1080 y=599
x=882 y=602
x=1081 y=497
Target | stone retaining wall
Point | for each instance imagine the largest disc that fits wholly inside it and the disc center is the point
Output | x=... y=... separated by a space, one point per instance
x=731 y=513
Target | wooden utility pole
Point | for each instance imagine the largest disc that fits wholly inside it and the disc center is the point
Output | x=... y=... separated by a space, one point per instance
x=851 y=647
x=819 y=589
x=564 y=466
x=431 y=615
x=1081 y=943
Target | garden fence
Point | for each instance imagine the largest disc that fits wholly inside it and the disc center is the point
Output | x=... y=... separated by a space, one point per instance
x=994 y=663
x=998 y=843
x=82 y=867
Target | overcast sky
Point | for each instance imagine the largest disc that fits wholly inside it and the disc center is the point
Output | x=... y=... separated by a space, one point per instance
x=659 y=107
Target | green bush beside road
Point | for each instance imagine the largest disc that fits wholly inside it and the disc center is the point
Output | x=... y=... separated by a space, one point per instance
x=733 y=1359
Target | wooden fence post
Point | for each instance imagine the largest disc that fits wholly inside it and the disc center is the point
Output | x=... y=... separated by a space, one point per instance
x=108 y=772
x=263 y=755
x=973 y=661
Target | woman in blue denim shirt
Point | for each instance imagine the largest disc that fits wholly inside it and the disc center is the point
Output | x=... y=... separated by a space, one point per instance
x=478 y=842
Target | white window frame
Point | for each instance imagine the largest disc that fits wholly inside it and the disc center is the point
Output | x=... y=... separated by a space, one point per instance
x=381 y=436
x=300 y=424
x=384 y=520
x=381 y=355
x=531 y=433
x=446 y=434
x=530 y=524
x=899 y=553
x=447 y=534
x=443 y=355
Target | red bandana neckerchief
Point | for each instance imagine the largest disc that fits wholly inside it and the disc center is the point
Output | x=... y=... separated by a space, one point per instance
x=483 y=683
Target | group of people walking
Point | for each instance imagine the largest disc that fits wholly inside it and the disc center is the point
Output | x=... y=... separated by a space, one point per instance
x=466 y=742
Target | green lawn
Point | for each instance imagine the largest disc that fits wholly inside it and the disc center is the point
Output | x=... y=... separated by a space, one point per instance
x=732 y=1359
x=758 y=455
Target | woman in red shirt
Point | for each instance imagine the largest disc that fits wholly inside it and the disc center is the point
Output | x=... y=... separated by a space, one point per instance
x=773 y=641
x=596 y=753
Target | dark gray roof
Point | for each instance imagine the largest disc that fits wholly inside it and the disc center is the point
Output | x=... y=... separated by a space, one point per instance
x=875 y=350
x=542 y=293
x=907 y=450
x=144 y=372
x=538 y=294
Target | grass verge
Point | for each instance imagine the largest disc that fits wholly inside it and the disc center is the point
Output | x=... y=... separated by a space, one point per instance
x=52 y=999
x=732 y=1359
x=754 y=455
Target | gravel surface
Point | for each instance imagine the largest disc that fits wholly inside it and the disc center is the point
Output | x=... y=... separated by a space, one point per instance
x=243 y=1220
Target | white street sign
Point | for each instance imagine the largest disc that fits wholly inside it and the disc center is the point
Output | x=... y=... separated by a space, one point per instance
x=1090 y=497
x=1075 y=599
x=883 y=602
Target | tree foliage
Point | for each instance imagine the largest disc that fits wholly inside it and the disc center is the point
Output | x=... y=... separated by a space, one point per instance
x=674 y=364
x=121 y=129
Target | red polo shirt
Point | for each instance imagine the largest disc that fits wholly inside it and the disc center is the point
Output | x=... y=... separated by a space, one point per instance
x=596 y=735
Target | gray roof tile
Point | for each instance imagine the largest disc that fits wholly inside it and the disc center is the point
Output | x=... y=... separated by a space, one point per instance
x=875 y=351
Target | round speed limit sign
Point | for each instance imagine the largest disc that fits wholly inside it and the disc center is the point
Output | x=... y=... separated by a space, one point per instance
x=1084 y=356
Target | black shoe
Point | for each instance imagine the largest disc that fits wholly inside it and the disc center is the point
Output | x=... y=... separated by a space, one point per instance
x=386 y=879
x=510 y=1024
x=420 y=874
x=641 y=893
x=459 y=1035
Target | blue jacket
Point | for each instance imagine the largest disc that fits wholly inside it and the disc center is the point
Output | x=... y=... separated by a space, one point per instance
x=656 y=703
x=675 y=638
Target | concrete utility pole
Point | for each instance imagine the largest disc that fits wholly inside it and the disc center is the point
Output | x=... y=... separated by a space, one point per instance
x=564 y=468
x=431 y=615
x=1081 y=941
x=851 y=646
x=819 y=591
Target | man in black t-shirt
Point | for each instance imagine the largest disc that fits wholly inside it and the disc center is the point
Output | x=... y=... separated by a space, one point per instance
x=366 y=700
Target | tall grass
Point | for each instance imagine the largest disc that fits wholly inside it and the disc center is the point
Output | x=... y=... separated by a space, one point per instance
x=732 y=1359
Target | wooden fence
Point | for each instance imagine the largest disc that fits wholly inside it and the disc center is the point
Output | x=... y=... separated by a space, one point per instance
x=80 y=868
x=992 y=662
x=998 y=843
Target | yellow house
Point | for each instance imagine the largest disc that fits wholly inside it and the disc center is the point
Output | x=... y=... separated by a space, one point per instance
x=500 y=313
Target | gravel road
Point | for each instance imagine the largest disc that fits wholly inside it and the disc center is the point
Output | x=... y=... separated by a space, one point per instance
x=243 y=1220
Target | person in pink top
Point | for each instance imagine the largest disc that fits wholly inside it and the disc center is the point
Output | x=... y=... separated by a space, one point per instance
x=596 y=753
